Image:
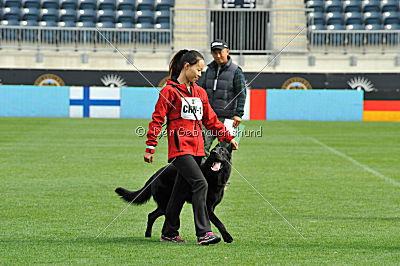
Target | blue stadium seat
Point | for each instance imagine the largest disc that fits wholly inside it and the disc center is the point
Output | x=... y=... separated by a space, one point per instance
x=105 y=36
x=69 y=4
x=371 y=6
x=316 y=18
x=334 y=18
x=49 y=14
x=163 y=25
x=317 y=5
x=353 y=18
x=31 y=4
x=126 y=4
x=106 y=4
x=125 y=25
x=51 y=4
x=1 y=3
x=389 y=5
x=144 y=26
x=144 y=37
x=162 y=5
x=352 y=6
x=355 y=39
x=88 y=15
x=67 y=36
x=145 y=5
x=11 y=13
x=392 y=38
x=86 y=36
x=125 y=37
x=145 y=16
x=163 y=37
x=333 y=6
x=11 y=22
x=30 y=14
x=372 y=18
x=391 y=17
x=86 y=24
x=29 y=23
x=49 y=23
x=317 y=38
x=68 y=15
x=125 y=16
x=106 y=24
x=336 y=39
x=162 y=16
x=48 y=36
x=87 y=4
x=374 y=39
x=107 y=15
x=12 y=3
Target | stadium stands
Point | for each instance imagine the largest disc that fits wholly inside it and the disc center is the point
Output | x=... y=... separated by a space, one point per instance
x=354 y=15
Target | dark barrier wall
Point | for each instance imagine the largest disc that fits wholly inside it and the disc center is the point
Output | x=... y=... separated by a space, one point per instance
x=383 y=86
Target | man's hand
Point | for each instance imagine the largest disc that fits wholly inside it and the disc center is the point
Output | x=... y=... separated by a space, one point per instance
x=236 y=121
x=235 y=145
x=148 y=157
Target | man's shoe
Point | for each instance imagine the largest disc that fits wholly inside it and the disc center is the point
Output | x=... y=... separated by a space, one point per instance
x=171 y=239
x=208 y=238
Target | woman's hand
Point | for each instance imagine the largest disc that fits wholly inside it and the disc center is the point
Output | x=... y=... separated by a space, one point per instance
x=235 y=145
x=148 y=157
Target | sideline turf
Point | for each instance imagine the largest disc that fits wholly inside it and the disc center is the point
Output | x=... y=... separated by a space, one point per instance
x=58 y=176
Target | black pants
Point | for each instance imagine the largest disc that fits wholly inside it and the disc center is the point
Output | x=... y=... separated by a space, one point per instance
x=189 y=178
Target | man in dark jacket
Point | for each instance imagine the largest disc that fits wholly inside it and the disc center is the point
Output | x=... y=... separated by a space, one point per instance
x=225 y=85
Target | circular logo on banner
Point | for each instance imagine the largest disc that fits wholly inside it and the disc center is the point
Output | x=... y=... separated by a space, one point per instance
x=296 y=83
x=49 y=80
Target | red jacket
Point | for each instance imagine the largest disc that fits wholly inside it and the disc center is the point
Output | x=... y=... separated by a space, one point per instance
x=183 y=130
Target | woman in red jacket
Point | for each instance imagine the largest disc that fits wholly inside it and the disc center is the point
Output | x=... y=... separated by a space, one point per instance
x=186 y=107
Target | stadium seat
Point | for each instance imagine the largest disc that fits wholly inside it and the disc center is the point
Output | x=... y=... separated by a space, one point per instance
x=376 y=38
x=86 y=24
x=353 y=38
x=334 y=18
x=12 y=3
x=86 y=15
x=392 y=38
x=49 y=23
x=11 y=22
x=105 y=36
x=1 y=3
x=126 y=4
x=87 y=4
x=29 y=35
x=336 y=39
x=67 y=24
x=145 y=16
x=371 y=6
x=332 y=6
x=31 y=4
x=106 y=24
x=29 y=23
x=68 y=15
x=163 y=37
x=69 y=4
x=125 y=36
x=371 y=18
x=317 y=38
x=106 y=4
x=11 y=14
x=353 y=18
x=125 y=16
x=352 y=6
x=86 y=36
x=125 y=25
x=30 y=14
x=142 y=5
x=316 y=18
x=162 y=5
x=162 y=16
x=391 y=17
x=48 y=4
x=50 y=14
x=48 y=36
x=107 y=15
x=317 y=5
x=67 y=36
x=144 y=37
x=389 y=5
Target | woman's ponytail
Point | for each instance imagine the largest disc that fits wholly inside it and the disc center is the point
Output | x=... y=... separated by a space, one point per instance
x=179 y=60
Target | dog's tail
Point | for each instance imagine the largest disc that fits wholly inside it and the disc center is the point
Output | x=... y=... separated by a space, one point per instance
x=136 y=197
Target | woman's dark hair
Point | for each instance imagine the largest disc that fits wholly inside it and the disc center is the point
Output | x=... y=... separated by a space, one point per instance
x=179 y=60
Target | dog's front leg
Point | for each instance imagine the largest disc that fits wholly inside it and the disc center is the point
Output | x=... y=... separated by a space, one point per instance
x=214 y=219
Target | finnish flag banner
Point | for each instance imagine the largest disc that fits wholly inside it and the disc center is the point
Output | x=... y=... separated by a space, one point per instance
x=95 y=102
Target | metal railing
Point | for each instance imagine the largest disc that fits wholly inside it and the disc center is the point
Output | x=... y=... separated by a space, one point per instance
x=60 y=38
x=354 y=41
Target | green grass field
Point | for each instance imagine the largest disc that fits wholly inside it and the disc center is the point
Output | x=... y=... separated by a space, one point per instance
x=337 y=183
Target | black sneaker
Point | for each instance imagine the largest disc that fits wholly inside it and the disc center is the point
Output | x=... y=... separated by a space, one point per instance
x=208 y=238
x=171 y=239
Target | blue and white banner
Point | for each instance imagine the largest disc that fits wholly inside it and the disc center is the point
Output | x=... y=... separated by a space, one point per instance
x=95 y=102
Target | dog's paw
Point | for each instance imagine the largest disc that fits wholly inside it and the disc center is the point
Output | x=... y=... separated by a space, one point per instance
x=227 y=238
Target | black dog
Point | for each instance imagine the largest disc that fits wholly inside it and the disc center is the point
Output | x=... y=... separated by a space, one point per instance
x=216 y=170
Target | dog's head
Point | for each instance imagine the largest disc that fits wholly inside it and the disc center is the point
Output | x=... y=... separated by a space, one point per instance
x=219 y=158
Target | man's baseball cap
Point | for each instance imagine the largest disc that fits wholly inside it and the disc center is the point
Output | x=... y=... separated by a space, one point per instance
x=219 y=45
